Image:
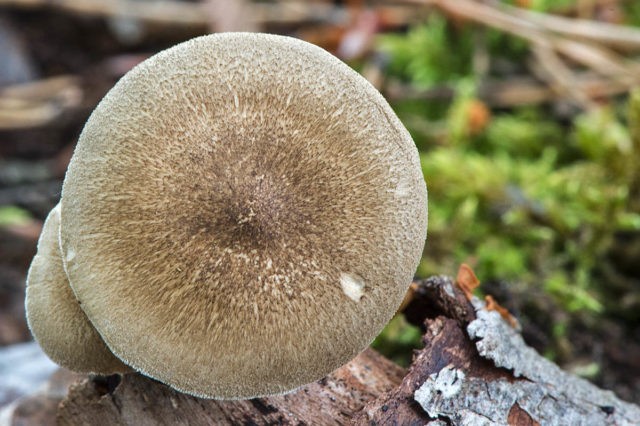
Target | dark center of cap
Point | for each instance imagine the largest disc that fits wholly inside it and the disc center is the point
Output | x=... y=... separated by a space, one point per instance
x=256 y=210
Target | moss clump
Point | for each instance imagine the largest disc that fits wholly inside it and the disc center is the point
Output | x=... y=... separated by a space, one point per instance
x=520 y=194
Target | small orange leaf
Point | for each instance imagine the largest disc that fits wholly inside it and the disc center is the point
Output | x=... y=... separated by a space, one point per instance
x=467 y=280
x=478 y=116
x=492 y=305
x=526 y=4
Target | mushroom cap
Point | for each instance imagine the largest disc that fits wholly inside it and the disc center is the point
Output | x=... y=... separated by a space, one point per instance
x=242 y=215
x=54 y=315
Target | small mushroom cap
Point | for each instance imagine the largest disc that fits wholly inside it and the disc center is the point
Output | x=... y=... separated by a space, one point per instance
x=54 y=315
x=242 y=215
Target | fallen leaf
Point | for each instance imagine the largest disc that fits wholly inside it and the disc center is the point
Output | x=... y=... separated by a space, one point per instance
x=492 y=305
x=478 y=116
x=467 y=280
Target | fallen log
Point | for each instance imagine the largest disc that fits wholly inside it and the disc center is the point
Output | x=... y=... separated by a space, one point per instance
x=474 y=369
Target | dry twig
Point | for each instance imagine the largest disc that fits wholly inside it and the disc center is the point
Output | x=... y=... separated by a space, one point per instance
x=542 y=32
x=38 y=103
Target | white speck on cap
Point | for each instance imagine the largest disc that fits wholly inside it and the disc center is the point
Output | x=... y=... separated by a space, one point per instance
x=352 y=286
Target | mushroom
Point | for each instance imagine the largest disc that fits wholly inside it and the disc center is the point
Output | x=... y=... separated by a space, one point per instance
x=242 y=215
x=54 y=317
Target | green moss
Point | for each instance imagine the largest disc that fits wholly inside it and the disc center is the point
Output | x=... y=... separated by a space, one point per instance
x=423 y=55
x=12 y=215
x=526 y=198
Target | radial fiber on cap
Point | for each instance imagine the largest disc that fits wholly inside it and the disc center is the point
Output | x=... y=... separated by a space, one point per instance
x=242 y=215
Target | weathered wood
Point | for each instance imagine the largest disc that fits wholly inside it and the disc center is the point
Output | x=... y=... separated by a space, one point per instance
x=474 y=369
x=480 y=371
x=137 y=400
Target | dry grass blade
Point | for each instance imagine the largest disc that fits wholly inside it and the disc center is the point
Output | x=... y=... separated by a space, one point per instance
x=486 y=15
x=516 y=91
x=616 y=36
x=546 y=45
x=598 y=59
x=560 y=77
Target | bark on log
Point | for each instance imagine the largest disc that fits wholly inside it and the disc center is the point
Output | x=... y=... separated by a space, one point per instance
x=137 y=400
x=474 y=369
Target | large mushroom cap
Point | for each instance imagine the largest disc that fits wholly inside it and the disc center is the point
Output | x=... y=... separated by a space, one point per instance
x=54 y=316
x=242 y=215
